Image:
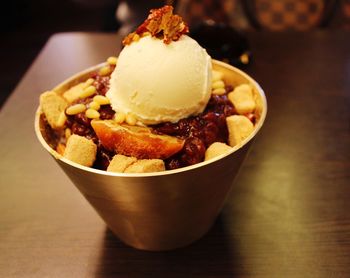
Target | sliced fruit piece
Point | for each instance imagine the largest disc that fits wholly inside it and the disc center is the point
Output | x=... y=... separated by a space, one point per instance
x=135 y=141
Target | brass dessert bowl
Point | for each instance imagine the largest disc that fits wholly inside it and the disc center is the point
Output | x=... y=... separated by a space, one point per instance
x=162 y=210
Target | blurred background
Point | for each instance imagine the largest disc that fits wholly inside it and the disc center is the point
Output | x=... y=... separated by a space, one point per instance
x=26 y=25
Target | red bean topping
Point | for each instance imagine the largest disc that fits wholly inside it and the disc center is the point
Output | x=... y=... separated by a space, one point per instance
x=173 y=163
x=210 y=133
x=198 y=131
x=194 y=151
x=106 y=112
x=101 y=84
x=82 y=119
x=228 y=88
x=79 y=129
x=251 y=117
x=103 y=158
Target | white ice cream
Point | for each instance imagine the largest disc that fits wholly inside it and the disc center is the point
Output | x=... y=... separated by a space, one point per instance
x=159 y=82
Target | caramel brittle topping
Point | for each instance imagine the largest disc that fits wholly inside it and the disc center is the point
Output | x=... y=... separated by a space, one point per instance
x=160 y=23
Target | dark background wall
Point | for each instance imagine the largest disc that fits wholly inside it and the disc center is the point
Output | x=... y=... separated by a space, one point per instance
x=26 y=25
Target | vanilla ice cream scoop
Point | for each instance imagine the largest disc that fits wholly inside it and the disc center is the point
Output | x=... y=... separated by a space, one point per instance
x=158 y=82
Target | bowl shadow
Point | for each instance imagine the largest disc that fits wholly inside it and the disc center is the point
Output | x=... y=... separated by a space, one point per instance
x=210 y=256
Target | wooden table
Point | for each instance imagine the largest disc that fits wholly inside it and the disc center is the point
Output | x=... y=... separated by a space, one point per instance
x=288 y=214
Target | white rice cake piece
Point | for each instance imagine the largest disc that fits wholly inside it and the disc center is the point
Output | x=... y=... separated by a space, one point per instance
x=216 y=149
x=53 y=106
x=239 y=127
x=146 y=166
x=80 y=150
x=242 y=99
x=120 y=162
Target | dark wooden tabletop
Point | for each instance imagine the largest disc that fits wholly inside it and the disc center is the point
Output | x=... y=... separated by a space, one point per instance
x=288 y=214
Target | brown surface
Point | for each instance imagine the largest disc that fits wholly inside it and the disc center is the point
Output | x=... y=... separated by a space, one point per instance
x=287 y=215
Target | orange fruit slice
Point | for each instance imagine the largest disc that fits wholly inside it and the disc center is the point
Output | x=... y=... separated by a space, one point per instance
x=135 y=141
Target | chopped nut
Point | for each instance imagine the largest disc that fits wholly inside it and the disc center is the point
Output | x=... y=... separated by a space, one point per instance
x=105 y=70
x=219 y=91
x=75 y=109
x=130 y=119
x=136 y=37
x=218 y=84
x=160 y=22
x=88 y=91
x=67 y=133
x=119 y=117
x=76 y=91
x=92 y=114
x=94 y=105
x=112 y=60
x=146 y=34
x=89 y=82
x=217 y=75
x=102 y=100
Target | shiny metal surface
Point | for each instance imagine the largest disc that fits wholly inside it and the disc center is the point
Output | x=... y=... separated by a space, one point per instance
x=164 y=210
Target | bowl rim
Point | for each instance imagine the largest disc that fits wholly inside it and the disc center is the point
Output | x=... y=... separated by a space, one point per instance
x=162 y=173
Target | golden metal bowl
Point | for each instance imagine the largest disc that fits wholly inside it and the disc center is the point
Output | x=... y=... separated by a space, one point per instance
x=162 y=210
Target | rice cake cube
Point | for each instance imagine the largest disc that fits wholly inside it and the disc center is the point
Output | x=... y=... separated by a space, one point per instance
x=239 y=127
x=146 y=166
x=53 y=107
x=80 y=150
x=242 y=99
x=120 y=162
x=216 y=149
